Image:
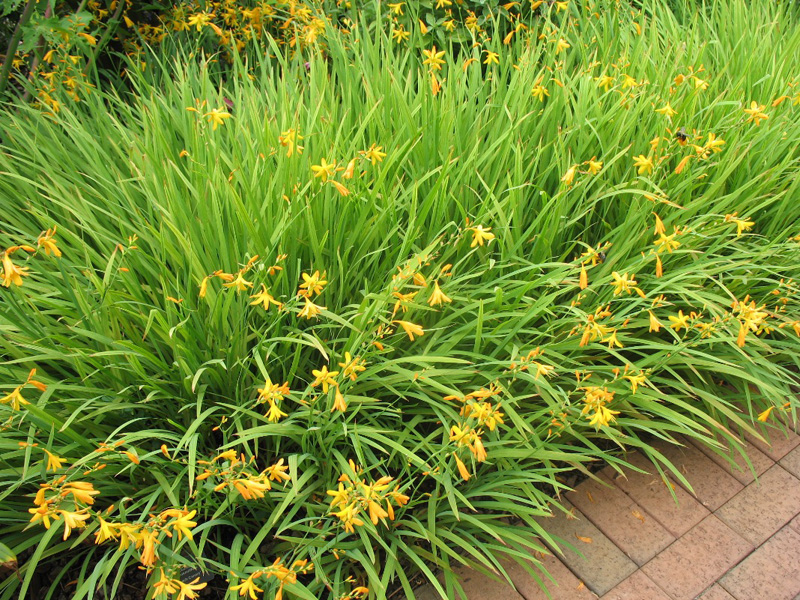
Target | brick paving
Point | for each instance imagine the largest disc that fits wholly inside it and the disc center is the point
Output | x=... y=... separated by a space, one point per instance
x=717 y=532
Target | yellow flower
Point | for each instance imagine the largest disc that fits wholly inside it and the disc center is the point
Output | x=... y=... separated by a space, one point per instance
x=411 y=329
x=741 y=224
x=272 y=392
x=349 y=170
x=480 y=235
x=594 y=166
x=539 y=91
x=43 y=513
x=348 y=518
x=338 y=402
x=396 y=8
x=248 y=588
x=351 y=366
x=11 y=272
x=310 y=310
x=569 y=176
x=89 y=38
x=324 y=377
x=277 y=472
x=217 y=117
x=765 y=415
x=561 y=44
x=491 y=57
x=644 y=164
x=183 y=523
x=679 y=322
x=605 y=81
x=636 y=381
x=433 y=58
x=400 y=34
x=53 y=462
x=82 y=491
x=14 y=399
x=187 y=590
x=73 y=520
x=48 y=241
x=603 y=416
x=199 y=20
x=543 y=370
x=251 y=488
x=667 y=111
x=374 y=154
x=666 y=242
x=239 y=282
x=438 y=296
x=462 y=469
x=265 y=298
x=275 y=414
x=288 y=139
x=107 y=531
x=714 y=144
x=312 y=284
x=324 y=170
x=343 y=191
x=622 y=283
x=756 y=112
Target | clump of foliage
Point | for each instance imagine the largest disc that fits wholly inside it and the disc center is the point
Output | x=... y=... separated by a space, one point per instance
x=329 y=320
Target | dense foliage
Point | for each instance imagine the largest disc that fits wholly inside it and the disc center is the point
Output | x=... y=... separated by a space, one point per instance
x=318 y=317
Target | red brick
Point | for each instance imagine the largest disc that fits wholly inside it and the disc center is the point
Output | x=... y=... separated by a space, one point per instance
x=772 y=571
x=764 y=506
x=698 y=559
x=779 y=443
x=791 y=462
x=711 y=484
x=760 y=461
x=563 y=585
x=624 y=522
x=716 y=592
x=636 y=587
x=650 y=492
x=600 y=564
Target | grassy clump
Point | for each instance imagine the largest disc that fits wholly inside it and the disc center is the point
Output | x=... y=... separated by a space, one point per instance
x=519 y=268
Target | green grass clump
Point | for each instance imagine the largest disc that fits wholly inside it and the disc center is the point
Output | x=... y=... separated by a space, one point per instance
x=321 y=328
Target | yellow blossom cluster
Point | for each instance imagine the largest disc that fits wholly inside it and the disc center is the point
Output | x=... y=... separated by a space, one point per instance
x=237 y=474
x=357 y=496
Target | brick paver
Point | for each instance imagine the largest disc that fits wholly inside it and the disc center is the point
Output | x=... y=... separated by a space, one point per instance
x=637 y=587
x=711 y=484
x=772 y=571
x=760 y=461
x=648 y=489
x=764 y=506
x=602 y=565
x=716 y=592
x=563 y=586
x=628 y=525
x=748 y=548
x=780 y=443
x=697 y=559
x=791 y=462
